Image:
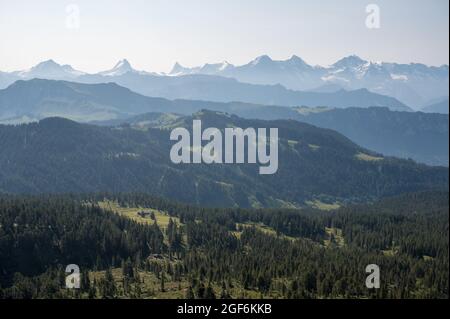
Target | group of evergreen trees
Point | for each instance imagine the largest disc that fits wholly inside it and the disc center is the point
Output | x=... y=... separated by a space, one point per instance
x=406 y=236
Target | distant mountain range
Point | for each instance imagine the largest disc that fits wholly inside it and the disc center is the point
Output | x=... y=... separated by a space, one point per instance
x=422 y=137
x=413 y=84
x=350 y=82
x=315 y=165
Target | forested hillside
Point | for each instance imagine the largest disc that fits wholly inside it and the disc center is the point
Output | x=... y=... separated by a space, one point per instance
x=181 y=251
x=422 y=137
x=60 y=156
x=416 y=135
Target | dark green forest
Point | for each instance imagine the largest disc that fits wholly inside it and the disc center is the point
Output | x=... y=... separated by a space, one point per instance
x=422 y=137
x=61 y=156
x=222 y=252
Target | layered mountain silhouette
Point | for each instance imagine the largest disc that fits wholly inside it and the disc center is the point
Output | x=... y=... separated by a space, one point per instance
x=413 y=84
x=292 y=82
x=58 y=155
x=422 y=137
x=221 y=89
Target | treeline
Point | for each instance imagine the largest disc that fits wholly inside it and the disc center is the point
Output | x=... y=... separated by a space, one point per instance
x=406 y=236
x=38 y=233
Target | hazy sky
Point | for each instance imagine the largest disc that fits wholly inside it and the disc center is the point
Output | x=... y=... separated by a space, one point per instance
x=153 y=34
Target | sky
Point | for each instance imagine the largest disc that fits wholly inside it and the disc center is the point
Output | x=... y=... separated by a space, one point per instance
x=92 y=35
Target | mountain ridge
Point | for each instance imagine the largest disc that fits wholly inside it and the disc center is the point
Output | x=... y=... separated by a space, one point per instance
x=220 y=89
x=59 y=155
x=32 y=100
x=413 y=84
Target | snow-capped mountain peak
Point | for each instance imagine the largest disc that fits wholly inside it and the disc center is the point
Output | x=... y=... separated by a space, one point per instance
x=215 y=68
x=123 y=64
x=208 y=68
x=350 y=61
x=224 y=65
x=49 y=69
x=121 y=67
x=178 y=69
x=263 y=59
x=296 y=61
x=46 y=65
x=413 y=84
